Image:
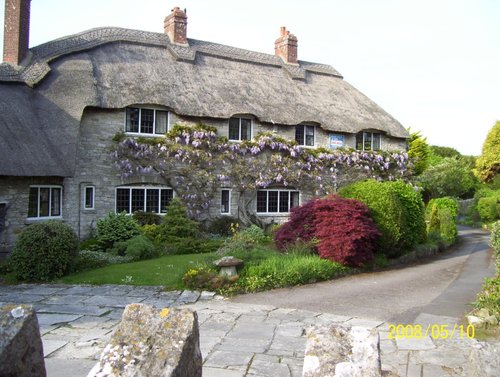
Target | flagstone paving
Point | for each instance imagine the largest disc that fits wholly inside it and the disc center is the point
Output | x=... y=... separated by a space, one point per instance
x=236 y=340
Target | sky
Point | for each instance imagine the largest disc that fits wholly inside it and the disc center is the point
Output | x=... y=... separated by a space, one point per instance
x=434 y=65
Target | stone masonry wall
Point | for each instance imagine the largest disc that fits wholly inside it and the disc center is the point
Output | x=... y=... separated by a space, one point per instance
x=95 y=168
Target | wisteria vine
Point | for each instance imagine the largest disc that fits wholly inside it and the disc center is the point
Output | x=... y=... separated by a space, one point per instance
x=196 y=162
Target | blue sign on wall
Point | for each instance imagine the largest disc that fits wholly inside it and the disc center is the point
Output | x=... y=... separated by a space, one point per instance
x=336 y=141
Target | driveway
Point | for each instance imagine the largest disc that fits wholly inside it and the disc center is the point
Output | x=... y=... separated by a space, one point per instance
x=443 y=285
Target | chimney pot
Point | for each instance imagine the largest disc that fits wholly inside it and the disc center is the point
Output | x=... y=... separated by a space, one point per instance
x=176 y=26
x=286 y=46
x=16 y=31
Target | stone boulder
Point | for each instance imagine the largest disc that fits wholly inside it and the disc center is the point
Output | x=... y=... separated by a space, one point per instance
x=21 y=350
x=338 y=351
x=151 y=342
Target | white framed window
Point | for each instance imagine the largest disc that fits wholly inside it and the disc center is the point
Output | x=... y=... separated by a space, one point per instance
x=240 y=129
x=88 y=197
x=45 y=201
x=368 y=141
x=146 y=199
x=305 y=135
x=277 y=201
x=146 y=121
x=225 y=201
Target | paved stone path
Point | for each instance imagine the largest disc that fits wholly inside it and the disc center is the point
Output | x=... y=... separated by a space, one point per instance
x=236 y=339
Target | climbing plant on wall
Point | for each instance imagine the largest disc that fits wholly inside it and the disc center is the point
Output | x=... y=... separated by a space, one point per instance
x=195 y=162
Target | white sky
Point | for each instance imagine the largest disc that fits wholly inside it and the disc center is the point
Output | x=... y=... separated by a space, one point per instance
x=432 y=64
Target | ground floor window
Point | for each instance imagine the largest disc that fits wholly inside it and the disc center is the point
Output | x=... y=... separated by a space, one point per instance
x=88 y=200
x=276 y=201
x=45 y=201
x=368 y=141
x=146 y=199
x=225 y=201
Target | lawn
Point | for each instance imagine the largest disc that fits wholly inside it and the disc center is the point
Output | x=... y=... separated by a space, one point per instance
x=166 y=271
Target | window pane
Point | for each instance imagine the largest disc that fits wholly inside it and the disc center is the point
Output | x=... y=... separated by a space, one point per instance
x=246 y=126
x=147 y=117
x=367 y=141
x=152 y=200
x=284 y=201
x=161 y=122
x=224 y=201
x=55 y=202
x=310 y=136
x=299 y=135
x=44 y=198
x=33 y=202
x=234 y=129
x=359 y=141
x=89 y=197
x=132 y=120
x=137 y=200
x=376 y=142
x=166 y=198
x=272 y=201
x=261 y=201
x=294 y=199
x=123 y=200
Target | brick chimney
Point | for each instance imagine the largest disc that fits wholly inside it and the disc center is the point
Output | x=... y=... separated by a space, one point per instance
x=286 y=46
x=176 y=26
x=16 y=31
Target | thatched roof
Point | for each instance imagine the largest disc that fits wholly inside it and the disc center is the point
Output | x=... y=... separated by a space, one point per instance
x=42 y=103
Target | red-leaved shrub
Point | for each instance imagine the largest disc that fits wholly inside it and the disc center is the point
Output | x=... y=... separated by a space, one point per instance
x=343 y=228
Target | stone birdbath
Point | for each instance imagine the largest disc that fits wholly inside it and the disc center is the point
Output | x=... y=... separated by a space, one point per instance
x=228 y=265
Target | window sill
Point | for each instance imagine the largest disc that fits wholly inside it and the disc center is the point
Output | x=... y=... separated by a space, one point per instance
x=143 y=135
x=34 y=220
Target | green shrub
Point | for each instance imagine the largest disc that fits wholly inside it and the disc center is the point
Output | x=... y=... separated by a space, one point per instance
x=152 y=231
x=387 y=212
x=192 y=246
x=287 y=270
x=90 y=259
x=489 y=209
x=138 y=248
x=445 y=202
x=223 y=226
x=414 y=213
x=489 y=297
x=244 y=241
x=147 y=218
x=442 y=220
x=44 y=251
x=115 y=227
x=206 y=279
x=176 y=224
x=90 y=244
x=447 y=227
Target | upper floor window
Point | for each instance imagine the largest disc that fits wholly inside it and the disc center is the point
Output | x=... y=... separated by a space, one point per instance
x=45 y=201
x=276 y=201
x=145 y=199
x=304 y=135
x=240 y=129
x=146 y=121
x=368 y=141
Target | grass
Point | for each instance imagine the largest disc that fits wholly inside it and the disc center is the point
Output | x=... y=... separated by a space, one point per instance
x=166 y=271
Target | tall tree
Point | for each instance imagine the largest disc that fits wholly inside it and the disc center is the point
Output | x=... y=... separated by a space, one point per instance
x=419 y=151
x=488 y=164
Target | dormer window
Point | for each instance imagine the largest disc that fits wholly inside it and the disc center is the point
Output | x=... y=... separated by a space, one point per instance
x=304 y=135
x=240 y=129
x=368 y=141
x=146 y=121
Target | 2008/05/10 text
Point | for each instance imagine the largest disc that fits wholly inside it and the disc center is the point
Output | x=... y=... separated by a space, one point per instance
x=434 y=331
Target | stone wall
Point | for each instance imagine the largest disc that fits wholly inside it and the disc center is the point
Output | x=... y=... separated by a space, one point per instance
x=14 y=194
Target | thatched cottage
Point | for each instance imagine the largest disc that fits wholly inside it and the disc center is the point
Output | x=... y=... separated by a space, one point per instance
x=62 y=102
